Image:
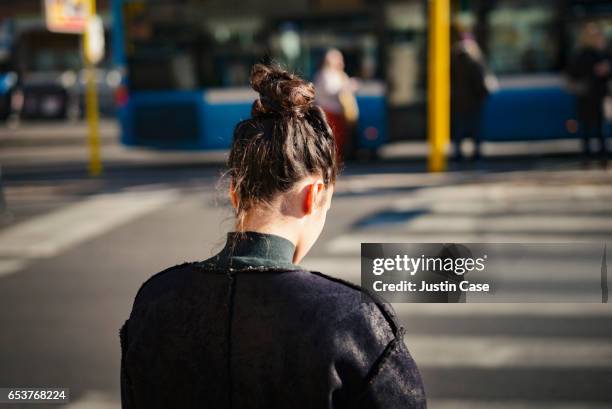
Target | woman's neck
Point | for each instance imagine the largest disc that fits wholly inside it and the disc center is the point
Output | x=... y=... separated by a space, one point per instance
x=264 y=222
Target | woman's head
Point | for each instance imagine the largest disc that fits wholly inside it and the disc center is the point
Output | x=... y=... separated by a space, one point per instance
x=592 y=36
x=333 y=59
x=282 y=164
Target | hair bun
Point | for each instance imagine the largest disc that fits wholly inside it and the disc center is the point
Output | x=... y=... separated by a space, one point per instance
x=280 y=92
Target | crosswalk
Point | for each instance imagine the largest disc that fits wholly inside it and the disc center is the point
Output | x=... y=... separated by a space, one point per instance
x=500 y=356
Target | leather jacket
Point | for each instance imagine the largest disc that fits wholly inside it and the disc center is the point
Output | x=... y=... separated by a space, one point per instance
x=249 y=329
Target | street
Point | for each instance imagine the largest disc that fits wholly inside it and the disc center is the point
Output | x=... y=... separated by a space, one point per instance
x=74 y=251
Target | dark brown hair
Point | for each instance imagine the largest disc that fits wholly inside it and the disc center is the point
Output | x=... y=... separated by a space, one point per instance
x=286 y=139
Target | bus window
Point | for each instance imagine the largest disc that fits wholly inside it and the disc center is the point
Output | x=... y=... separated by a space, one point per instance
x=180 y=47
x=300 y=44
x=523 y=37
x=406 y=68
x=576 y=26
x=406 y=28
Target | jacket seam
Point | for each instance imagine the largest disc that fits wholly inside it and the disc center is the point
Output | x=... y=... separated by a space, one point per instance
x=231 y=304
x=381 y=362
x=388 y=317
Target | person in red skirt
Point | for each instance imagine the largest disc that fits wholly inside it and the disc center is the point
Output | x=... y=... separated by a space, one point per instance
x=335 y=94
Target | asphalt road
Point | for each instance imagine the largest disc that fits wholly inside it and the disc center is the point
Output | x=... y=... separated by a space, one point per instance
x=74 y=252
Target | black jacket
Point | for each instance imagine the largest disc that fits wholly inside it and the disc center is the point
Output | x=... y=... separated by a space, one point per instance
x=590 y=89
x=468 y=80
x=248 y=329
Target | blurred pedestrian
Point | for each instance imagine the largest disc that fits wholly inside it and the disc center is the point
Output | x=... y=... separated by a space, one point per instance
x=250 y=328
x=336 y=95
x=470 y=86
x=589 y=72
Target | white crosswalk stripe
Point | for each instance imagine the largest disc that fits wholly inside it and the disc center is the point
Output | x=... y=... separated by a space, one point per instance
x=95 y=400
x=50 y=234
x=445 y=224
x=10 y=265
x=550 y=310
x=474 y=404
x=509 y=352
x=351 y=244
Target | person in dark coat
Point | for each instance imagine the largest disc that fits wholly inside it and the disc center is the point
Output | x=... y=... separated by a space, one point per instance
x=250 y=328
x=469 y=90
x=590 y=70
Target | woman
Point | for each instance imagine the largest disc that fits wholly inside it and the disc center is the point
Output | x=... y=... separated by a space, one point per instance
x=470 y=87
x=590 y=71
x=249 y=328
x=335 y=94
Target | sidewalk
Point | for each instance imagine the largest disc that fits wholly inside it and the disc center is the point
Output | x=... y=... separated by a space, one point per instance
x=59 y=144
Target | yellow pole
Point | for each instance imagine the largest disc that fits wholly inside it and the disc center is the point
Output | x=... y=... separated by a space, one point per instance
x=438 y=118
x=91 y=107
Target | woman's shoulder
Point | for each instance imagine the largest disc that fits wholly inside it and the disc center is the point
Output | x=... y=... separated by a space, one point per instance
x=164 y=280
x=341 y=300
x=349 y=315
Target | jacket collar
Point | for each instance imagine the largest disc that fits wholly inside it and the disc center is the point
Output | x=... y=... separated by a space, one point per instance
x=256 y=250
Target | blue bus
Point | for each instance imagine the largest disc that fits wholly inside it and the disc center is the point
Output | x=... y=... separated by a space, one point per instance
x=186 y=64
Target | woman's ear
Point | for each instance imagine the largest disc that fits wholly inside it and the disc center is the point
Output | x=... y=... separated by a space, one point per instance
x=233 y=196
x=309 y=199
x=314 y=192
